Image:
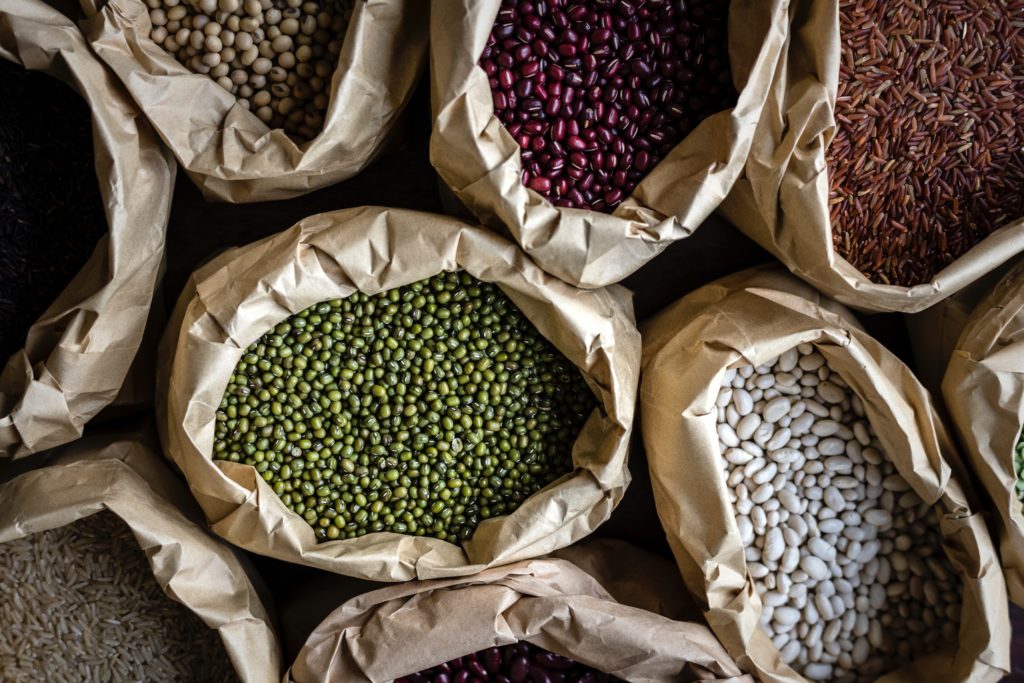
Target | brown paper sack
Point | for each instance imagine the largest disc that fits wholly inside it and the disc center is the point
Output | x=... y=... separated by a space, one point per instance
x=191 y=566
x=752 y=317
x=984 y=392
x=78 y=352
x=479 y=160
x=227 y=151
x=551 y=603
x=241 y=294
x=781 y=201
x=935 y=331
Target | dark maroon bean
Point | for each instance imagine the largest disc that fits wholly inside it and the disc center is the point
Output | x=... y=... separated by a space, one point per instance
x=462 y=676
x=492 y=659
x=558 y=130
x=538 y=184
x=529 y=69
x=534 y=127
x=539 y=675
x=505 y=79
x=441 y=678
x=477 y=669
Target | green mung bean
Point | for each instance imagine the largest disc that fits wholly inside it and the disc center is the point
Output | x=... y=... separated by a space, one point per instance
x=421 y=410
x=1018 y=467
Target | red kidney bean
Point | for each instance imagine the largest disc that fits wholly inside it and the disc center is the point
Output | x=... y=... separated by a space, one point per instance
x=520 y=662
x=622 y=80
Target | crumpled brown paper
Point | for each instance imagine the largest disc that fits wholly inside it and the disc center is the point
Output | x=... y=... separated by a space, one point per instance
x=935 y=331
x=984 y=392
x=227 y=151
x=781 y=201
x=751 y=317
x=191 y=566
x=479 y=160
x=551 y=603
x=244 y=292
x=78 y=352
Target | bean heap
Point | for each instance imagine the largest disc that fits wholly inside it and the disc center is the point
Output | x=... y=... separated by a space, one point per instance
x=277 y=56
x=51 y=209
x=846 y=558
x=1018 y=467
x=596 y=92
x=516 y=663
x=421 y=410
x=928 y=156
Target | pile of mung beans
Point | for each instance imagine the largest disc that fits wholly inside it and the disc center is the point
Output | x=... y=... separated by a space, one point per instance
x=277 y=56
x=521 y=662
x=596 y=92
x=421 y=410
x=1018 y=467
x=845 y=556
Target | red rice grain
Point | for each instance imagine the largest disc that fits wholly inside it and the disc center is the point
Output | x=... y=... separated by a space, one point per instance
x=928 y=156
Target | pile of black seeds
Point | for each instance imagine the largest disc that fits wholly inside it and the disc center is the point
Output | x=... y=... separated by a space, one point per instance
x=51 y=210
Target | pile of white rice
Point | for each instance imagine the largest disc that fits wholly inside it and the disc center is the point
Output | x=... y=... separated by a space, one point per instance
x=80 y=603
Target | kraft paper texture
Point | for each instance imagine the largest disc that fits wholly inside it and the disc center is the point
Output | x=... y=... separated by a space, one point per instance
x=78 y=352
x=479 y=160
x=752 y=317
x=551 y=603
x=781 y=201
x=984 y=392
x=242 y=293
x=227 y=151
x=191 y=566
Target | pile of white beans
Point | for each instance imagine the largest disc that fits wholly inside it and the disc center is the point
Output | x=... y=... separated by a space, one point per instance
x=276 y=56
x=846 y=558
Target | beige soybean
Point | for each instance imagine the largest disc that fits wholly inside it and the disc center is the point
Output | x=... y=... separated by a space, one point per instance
x=241 y=44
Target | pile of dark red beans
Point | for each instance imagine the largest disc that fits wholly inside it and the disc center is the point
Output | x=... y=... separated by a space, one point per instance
x=596 y=92
x=518 y=663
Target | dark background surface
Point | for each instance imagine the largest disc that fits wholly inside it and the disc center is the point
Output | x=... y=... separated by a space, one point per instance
x=404 y=178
